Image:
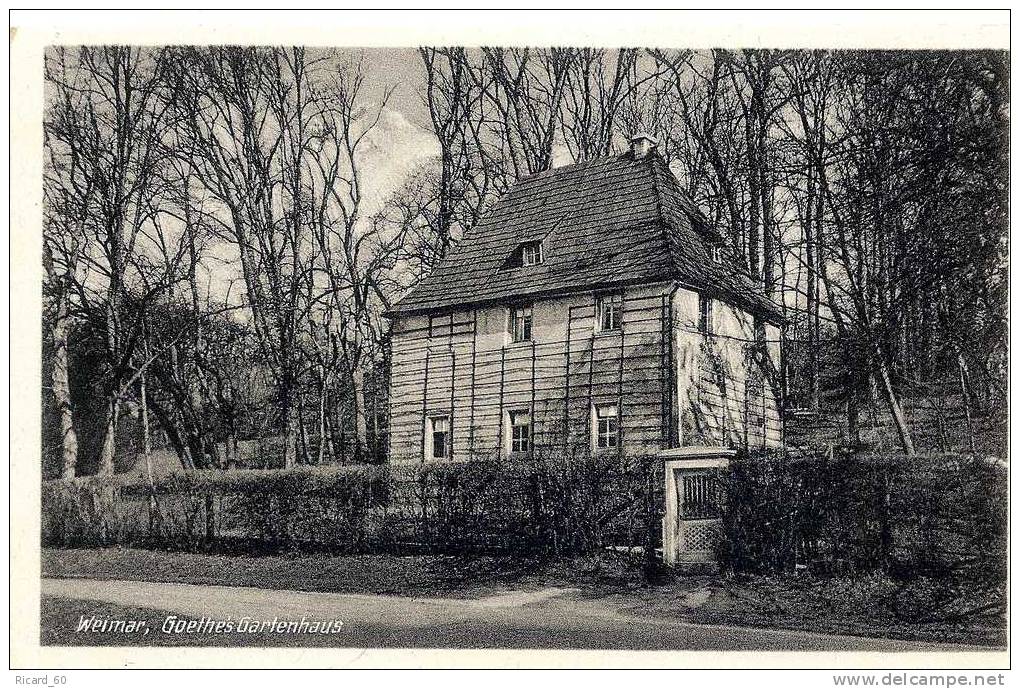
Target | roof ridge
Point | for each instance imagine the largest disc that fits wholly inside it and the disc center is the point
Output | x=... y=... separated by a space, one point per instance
x=657 y=194
x=668 y=235
x=569 y=167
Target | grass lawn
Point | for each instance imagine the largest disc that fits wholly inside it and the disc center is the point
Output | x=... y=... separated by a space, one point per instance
x=837 y=605
x=417 y=575
x=841 y=605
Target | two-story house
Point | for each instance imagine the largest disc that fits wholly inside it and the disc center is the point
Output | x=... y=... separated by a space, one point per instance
x=593 y=307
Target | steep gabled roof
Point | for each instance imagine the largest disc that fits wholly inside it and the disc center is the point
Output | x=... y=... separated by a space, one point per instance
x=605 y=222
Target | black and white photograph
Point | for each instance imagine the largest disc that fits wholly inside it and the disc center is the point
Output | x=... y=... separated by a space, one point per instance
x=516 y=346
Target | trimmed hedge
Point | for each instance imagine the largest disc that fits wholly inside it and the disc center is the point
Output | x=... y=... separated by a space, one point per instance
x=937 y=525
x=327 y=506
x=535 y=507
x=81 y=512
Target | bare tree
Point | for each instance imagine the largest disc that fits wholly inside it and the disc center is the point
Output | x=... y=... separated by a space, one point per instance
x=57 y=290
x=525 y=87
x=351 y=253
x=711 y=148
x=452 y=99
x=478 y=157
x=104 y=124
x=244 y=112
x=810 y=78
x=276 y=134
x=598 y=86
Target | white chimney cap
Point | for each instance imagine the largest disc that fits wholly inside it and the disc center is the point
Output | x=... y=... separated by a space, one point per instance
x=642 y=143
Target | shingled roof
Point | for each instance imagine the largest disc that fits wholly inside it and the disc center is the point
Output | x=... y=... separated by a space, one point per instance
x=605 y=222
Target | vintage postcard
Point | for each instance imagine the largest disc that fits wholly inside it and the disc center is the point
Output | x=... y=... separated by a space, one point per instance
x=511 y=340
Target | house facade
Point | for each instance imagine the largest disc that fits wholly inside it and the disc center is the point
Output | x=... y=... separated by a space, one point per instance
x=593 y=308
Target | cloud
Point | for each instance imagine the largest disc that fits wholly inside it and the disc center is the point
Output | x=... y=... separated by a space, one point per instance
x=561 y=155
x=389 y=153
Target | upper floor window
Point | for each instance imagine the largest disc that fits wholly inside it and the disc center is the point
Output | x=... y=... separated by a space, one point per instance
x=520 y=323
x=439 y=436
x=608 y=309
x=520 y=431
x=606 y=426
x=440 y=325
x=705 y=314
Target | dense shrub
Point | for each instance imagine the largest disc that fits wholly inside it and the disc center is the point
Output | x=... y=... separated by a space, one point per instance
x=81 y=512
x=327 y=506
x=536 y=506
x=935 y=525
x=532 y=507
x=932 y=528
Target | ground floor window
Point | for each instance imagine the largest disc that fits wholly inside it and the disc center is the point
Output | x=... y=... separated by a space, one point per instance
x=439 y=436
x=606 y=427
x=520 y=431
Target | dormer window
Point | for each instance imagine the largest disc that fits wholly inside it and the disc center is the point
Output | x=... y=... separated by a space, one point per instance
x=526 y=254
x=531 y=254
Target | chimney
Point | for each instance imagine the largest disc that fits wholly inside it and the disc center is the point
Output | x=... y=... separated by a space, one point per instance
x=641 y=144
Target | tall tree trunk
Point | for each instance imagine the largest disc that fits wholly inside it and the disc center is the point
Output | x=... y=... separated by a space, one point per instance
x=306 y=455
x=375 y=416
x=321 y=453
x=331 y=440
x=146 y=440
x=812 y=290
x=360 y=417
x=62 y=388
x=59 y=375
x=965 y=394
x=106 y=454
x=115 y=237
x=893 y=403
x=754 y=261
x=764 y=182
x=288 y=407
x=289 y=432
x=814 y=314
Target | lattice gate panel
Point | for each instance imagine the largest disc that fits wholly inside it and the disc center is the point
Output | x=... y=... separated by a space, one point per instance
x=699 y=535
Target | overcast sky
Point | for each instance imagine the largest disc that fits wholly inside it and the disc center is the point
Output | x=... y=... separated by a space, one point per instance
x=390 y=153
x=402 y=139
